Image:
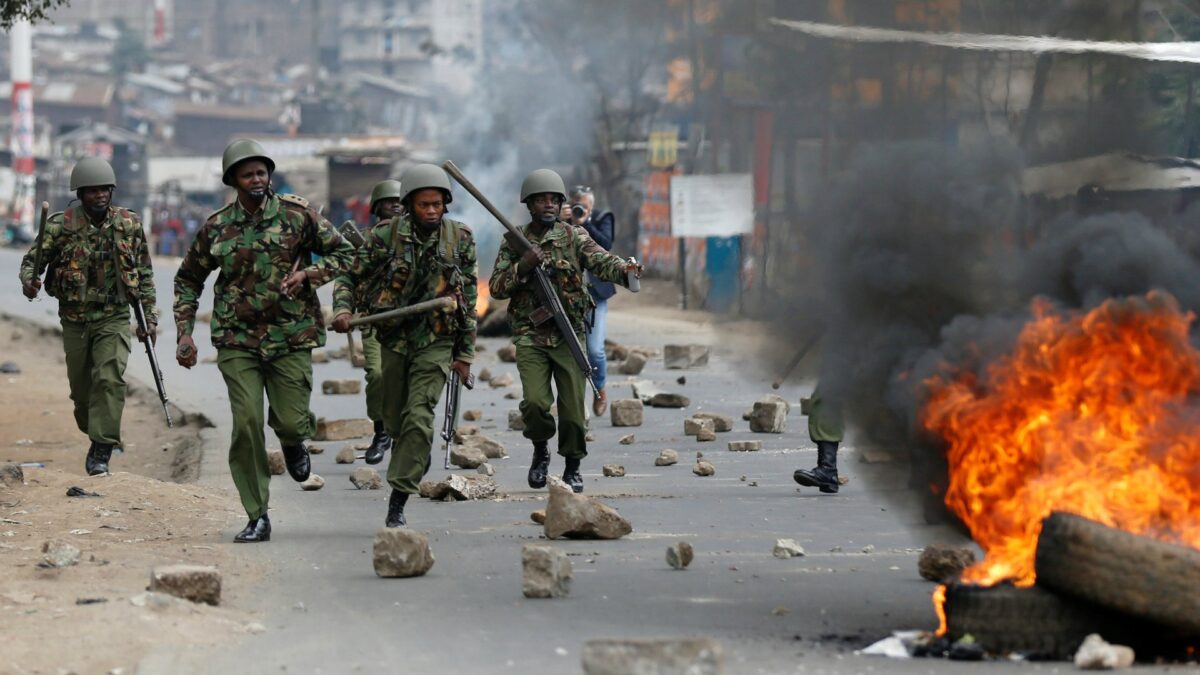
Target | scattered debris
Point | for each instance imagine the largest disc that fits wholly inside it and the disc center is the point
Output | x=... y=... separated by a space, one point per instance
x=681 y=380
x=538 y=516
x=315 y=449
x=545 y=571
x=345 y=455
x=665 y=400
x=276 y=463
x=516 y=422
x=500 y=381
x=467 y=456
x=366 y=478
x=893 y=647
x=401 y=552
x=644 y=390
x=459 y=488
x=678 y=357
x=341 y=387
x=780 y=611
x=485 y=469
x=197 y=583
x=59 y=554
x=640 y=656
x=940 y=562
x=11 y=475
x=90 y=601
x=75 y=491
x=512 y=395
x=313 y=483
x=491 y=449
x=680 y=555
x=693 y=425
x=868 y=549
x=843 y=479
x=463 y=430
x=626 y=413
x=10 y=368
x=580 y=517
x=787 y=548
x=484 y=375
x=745 y=446
x=472 y=415
x=704 y=468
x=768 y=416
x=507 y=353
x=666 y=458
x=589 y=437
x=721 y=423
x=705 y=435
x=318 y=356
x=341 y=430
x=1096 y=654
x=613 y=470
x=633 y=364
x=627 y=439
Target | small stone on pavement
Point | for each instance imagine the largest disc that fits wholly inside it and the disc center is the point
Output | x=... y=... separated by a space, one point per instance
x=787 y=548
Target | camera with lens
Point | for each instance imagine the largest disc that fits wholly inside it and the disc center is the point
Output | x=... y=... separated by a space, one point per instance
x=578 y=210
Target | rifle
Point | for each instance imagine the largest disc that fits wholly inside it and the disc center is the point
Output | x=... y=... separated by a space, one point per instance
x=542 y=286
x=148 y=341
x=37 y=253
x=454 y=387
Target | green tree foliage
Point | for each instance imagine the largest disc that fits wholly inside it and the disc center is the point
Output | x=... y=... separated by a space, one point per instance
x=33 y=10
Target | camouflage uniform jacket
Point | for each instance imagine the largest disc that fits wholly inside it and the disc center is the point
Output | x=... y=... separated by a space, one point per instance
x=254 y=253
x=568 y=251
x=356 y=296
x=395 y=267
x=95 y=270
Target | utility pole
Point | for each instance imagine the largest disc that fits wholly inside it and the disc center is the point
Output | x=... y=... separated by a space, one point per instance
x=22 y=135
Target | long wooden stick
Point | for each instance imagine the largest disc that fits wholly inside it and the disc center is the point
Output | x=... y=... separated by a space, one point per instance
x=442 y=303
x=800 y=354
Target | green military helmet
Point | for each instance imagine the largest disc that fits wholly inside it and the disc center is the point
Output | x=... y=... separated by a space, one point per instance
x=239 y=151
x=385 y=189
x=92 y=172
x=422 y=177
x=543 y=180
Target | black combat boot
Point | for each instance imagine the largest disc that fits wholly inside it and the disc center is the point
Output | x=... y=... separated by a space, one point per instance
x=571 y=475
x=380 y=444
x=825 y=475
x=299 y=465
x=395 y=516
x=97 y=458
x=258 y=529
x=540 y=466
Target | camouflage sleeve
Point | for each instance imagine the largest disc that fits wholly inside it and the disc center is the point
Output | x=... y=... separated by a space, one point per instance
x=506 y=278
x=464 y=342
x=364 y=263
x=145 y=274
x=337 y=254
x=189 y=280
x=602 y=264
x=51 y=242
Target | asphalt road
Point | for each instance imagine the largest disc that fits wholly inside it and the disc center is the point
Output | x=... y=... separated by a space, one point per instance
x=326 y=612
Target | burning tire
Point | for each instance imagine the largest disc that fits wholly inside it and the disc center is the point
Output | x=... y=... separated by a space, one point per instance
x=1029 y=621
x=1119 y=570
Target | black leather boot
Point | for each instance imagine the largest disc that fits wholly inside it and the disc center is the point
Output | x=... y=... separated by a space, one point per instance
x=299 y=466
x=380 y=444
x=258 y=529
x=395 y=515
x=825 y=475
x=540 y=466
x=97 y=458
x=571 y=475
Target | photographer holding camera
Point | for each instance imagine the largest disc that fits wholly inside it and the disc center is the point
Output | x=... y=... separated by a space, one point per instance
x=600 y=226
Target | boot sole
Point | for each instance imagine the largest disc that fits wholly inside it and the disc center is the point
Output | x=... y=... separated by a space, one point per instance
x=374 y=461
x=252 y=541
x=823 y=487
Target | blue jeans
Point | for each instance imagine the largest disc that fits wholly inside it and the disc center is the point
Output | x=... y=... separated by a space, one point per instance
x=595 y=344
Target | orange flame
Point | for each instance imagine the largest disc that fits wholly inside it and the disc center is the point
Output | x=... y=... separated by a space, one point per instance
x=484 y=299
x=939 y=606
x=1090 y=415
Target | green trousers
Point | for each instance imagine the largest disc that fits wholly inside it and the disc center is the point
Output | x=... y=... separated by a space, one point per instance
x=537 y=367
x=412 y=383
x=96 y=355
x=287 y=381
x=374 y=368
x=825 y=420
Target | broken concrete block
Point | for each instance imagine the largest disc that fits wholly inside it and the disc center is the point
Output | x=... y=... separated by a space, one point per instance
x=745 y=446
x=580 y=517
x=345 y=455
x=613 y=470
x=693 y=425
x=721 y=423
x=787 y=548
x=198 y=583
x=467 y=456
x=472 y=415
x=626 y=413
x=666 y=458
x=665 y=400
x=507 y=353
x=627 y=439
x=486 y=469
x=768 y=417
x=704 y=469
x=276 y=463
x=633 y=364
x=319 y=356
x=538 y=516
x=776 y=398
x=313 y=483
x=706 y=434
x=58 y=553
x=491 y=449
x=484 y=375
x=644 y=390
x=337 y=387
x=366 y=478
x=614 y=351
x=515 y=421
x=939 y=562
x=677 y=357
x=464 y=430
x=1096 y=654
x=11 y=475
x=431 y=489
x=500 y=381
x=401 y=552
x=315 y=449
x=545 y=572
x=679 y=555
x=464 y=488
x=341 y=430
x=637 y=656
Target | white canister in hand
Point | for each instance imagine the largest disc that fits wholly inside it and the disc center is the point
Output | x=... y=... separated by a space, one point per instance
x=633 y=279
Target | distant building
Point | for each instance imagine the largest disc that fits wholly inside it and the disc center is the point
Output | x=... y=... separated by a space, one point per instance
x=266 y=35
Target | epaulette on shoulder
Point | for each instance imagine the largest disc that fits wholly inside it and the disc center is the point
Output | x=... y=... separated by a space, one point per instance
x=218 y=212
x=295 y=200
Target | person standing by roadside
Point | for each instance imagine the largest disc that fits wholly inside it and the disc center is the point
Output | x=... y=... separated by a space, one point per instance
x=601 y=228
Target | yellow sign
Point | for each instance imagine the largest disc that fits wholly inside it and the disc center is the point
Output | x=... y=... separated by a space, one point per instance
x=664 y=148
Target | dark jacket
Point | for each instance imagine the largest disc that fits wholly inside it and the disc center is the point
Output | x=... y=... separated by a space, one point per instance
x=600 y=226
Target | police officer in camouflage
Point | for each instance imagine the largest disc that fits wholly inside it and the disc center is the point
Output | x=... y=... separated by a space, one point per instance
x=421 y=255
x=266 y=318
x=385 y=204
x=97 y=262
x=542 y=354
x=826 y=429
